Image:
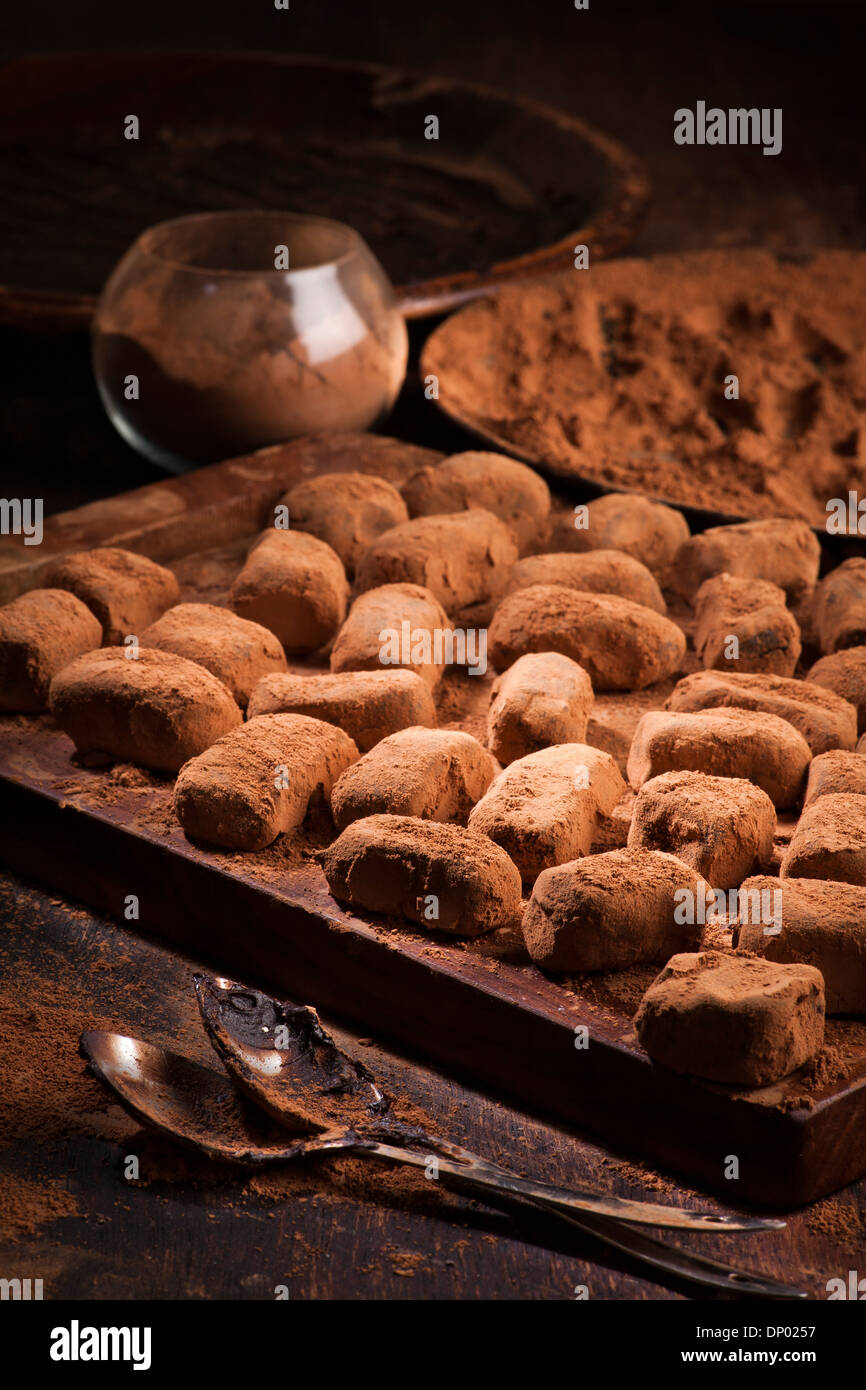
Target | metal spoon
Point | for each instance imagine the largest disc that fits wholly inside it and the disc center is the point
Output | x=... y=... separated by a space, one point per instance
x=282 y=1057
x=203 y=1109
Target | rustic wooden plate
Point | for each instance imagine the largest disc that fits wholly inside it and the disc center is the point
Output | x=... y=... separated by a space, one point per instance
x=268 y=918
x=507 y=191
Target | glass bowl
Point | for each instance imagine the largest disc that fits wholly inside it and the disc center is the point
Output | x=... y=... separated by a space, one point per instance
x=205 y=346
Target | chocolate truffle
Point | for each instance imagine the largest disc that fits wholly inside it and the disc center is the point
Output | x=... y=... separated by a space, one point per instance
x=823 y=924
x=650 y=531
x=596 y=572
x=494 y=482
x=610 y=911
x=761 y=748
x=845 y=674
x=743 y=625
x=781 y=550
x=823 y=718
x=543 y=808
x=257 y=782
x=620 y=644
x=442 y=877
x=40 y=633
x=367 y=705
x=396 y=625
x=829 y=840
x=544 y=698
x=722 y=827
x=840 y=607
x=463 y=557
x=431 y=774
x=238 y=652
x=346 y=510
x=125 y=591
x=156 y=709
x=295 y=585
x=732 y=1018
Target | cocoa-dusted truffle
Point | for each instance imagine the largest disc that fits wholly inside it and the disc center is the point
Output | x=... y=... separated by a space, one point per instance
x=650 y=531
x=235 y=650
x=125 y=591
x=823 y=718
x=840 y=607
x=722 y=827
x=595 y=572
x=347 y=510
x=544 y=698
x=732 y=1018
x=40 y=633
x=782 y=550
x=621 y=645
x=432 y=774
x=823 y=924
x=367 y=705
x=494 y=482
x=295 y=585
x=833 y=772
x=442 y=877
x=257 y=782
x=761 y=748
x=743 y=625
x=399 y=621
x=463 y=557
x=610 y=911
x=845 y=674
x=829 y=840
x=543 y=808
x=156 y=709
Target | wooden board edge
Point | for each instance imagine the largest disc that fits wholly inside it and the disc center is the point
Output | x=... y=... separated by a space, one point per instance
x=206 y=507
x=787 y=1159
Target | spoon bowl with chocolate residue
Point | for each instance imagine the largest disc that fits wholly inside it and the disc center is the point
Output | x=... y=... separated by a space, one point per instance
x=281 y=1056
x=202 y=1109
x=285 y=1061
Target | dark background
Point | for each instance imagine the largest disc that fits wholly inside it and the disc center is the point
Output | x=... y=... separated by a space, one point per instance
x=623 y=66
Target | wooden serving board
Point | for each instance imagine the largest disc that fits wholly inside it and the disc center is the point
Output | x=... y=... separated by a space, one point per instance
x=101 y=835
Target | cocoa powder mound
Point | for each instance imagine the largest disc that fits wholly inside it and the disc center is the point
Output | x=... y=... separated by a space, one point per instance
x=619 y=375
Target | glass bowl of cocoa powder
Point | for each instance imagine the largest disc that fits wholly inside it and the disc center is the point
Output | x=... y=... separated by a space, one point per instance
x=224 y=332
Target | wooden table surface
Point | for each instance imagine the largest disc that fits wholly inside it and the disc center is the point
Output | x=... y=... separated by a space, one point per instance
x=188 y=1231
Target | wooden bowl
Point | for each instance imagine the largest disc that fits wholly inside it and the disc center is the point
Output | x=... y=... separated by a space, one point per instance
x=507 y=191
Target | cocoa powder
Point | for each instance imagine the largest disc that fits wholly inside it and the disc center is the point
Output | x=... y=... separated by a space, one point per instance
x=619 y=375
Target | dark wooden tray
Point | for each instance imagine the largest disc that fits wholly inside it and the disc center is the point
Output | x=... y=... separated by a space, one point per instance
x=270 y=920
x=506 y=192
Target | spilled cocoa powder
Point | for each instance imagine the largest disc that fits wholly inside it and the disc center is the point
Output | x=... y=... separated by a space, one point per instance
x=50 y=1100
x=619 y=375
x=28 y=1206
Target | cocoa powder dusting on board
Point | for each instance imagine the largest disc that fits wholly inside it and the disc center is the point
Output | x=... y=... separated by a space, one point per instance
x=619 y=376
x=49 y=1099
x=27 y=1206
x=47 y=1094
x=842 y=1222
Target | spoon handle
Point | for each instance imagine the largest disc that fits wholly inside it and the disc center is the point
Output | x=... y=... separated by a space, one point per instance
x=574 y=1201
x=659 y=1254
x=504 y=1189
